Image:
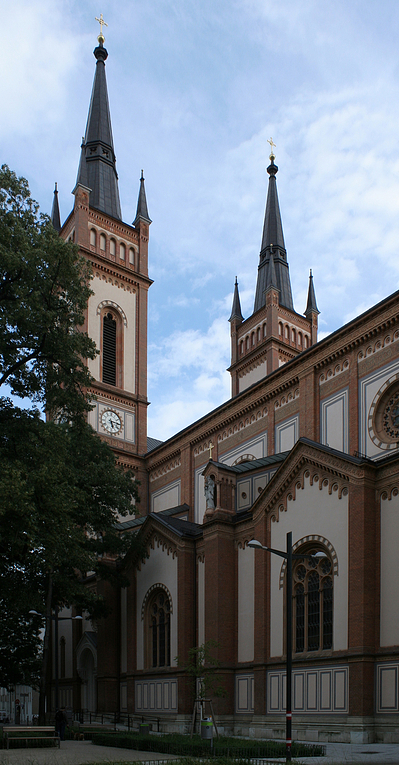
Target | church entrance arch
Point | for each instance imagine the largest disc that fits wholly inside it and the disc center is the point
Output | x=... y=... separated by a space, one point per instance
x=87 y=671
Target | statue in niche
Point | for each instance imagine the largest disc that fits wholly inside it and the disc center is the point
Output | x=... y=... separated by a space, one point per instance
x=210 y=491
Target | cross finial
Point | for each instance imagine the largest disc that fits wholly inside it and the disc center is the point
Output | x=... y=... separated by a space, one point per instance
x=272 y=154
x=102 y=24
x=211 y=448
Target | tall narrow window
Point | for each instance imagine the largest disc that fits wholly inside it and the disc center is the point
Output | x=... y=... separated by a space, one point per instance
x=103 y=242
x=109 y=349
x=158 y=630
x=122 y=251
x=93 y=237
x=62 y=657
x=312 y=604
x=112 y=246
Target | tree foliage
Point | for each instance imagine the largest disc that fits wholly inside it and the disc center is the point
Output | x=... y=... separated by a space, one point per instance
x=202 y=670
x=44 y=289
x=61 y=492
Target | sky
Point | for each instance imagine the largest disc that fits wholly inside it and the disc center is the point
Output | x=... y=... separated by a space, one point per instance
x=195 y=90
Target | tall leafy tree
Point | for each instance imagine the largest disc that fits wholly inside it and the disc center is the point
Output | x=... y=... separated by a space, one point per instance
x=44 y=289
x=61 y=492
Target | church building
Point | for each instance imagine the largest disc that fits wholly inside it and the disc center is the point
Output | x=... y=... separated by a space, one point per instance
x=307 y=444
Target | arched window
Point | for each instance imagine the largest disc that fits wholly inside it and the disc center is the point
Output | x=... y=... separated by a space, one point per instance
x=122 y=251
x=306 y=341
x=158 y=629
x=280 y=328
x=242 y=346
x=131 y=256
x=247 y=343
x=312 y=603
x=109 y=349
x=258 y=335
x=93 y=237
x=264 y=330
x=103 y=242
x=253 y=338
x=287 y=332
x=299 y=338
x=112 y=247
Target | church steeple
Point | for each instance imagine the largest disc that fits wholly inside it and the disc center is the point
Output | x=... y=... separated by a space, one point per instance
x=142 y=209
x=55 y=211
x=236 y=314
x=97 y=167
x=273 y=249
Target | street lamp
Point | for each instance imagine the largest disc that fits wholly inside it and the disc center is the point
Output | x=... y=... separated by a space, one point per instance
x=289 y=556
x=56 y=620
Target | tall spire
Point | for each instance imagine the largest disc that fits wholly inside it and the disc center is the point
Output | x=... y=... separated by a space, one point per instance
x=311 y=305
x=142 y=209
x=236 y=308
x=55 y=211
x=97 y=167
x=273 y=248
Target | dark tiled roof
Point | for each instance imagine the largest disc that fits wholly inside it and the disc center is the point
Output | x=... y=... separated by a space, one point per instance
x=142 y=209
x=263 y=462
x=152 y=443
x=97 y=167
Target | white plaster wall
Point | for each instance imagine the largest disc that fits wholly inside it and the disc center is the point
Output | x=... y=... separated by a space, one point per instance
x=368 y=388
x=334 y=421
x=252 y=377
x=313 y=511
x=127 y=302
x=256 y=447
x=200 y=501
x=389 y=621
x=65 y=630
x=246 y=605
x=124 y=629
x=286 y=434
x=165 y=498
x=201 y=602
x=159 y=568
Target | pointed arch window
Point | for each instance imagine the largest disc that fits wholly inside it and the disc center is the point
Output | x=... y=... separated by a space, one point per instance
x=157 y=617
x=109 y=349
x=312 y=604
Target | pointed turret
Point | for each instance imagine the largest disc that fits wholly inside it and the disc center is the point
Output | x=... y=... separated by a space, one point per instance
x=97 y=167
x=142 y=209
x=55 y=211
x=236 y=314
x=273 y=248
x=271 y=277
x=312 y=305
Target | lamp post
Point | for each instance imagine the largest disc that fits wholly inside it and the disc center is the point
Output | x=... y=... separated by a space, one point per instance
x=289 y=556
x=56 y=620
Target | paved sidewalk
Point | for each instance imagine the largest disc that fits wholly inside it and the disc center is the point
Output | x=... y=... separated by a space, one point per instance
x=82 y=752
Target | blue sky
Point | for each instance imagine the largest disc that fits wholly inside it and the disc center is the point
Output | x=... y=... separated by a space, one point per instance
x=196 y=89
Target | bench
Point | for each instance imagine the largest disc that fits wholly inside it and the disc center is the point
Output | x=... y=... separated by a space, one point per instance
x=46 y=731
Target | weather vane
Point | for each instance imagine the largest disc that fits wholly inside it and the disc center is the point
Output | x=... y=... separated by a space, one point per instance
x=270 y=140
x=102 y=24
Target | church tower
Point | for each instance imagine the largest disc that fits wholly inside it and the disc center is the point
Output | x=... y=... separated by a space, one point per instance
x=274 y=333
x=116 y=315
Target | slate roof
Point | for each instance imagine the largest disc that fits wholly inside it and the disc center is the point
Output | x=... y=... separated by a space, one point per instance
x=273 y=248
x=142 y=209
x=152 y=443
x=311 y=304
x=247 y=467
x=97 y=167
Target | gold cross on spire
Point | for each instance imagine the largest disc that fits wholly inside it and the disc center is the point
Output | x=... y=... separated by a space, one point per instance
x=272 y=154
x=102 y=24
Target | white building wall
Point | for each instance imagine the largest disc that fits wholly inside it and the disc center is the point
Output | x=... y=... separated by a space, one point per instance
x=159 y=568
x=246 y=603
x=312 y=511
x=125 y=302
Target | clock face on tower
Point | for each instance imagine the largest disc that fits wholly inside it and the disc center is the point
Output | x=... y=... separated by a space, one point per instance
x=111 y=421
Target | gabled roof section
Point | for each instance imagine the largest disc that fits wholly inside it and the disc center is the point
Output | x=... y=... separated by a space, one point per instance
x=55 y=211
x=273 y=247
x=97 y=167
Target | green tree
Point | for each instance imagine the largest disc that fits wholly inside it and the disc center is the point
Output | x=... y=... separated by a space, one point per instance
x=44 y=289
x=202 y=670
x=61 y=492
